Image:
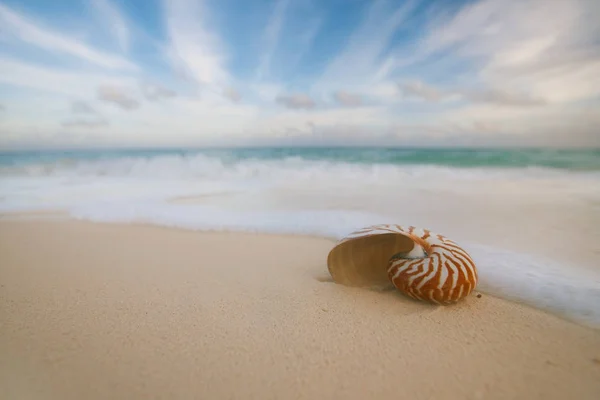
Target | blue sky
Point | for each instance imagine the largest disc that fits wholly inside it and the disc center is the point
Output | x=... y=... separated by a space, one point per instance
x=299 y=72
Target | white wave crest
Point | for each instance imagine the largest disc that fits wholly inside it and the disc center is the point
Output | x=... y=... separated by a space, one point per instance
x=327 y=198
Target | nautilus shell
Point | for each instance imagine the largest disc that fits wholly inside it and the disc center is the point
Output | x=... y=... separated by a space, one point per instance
x=421 y=264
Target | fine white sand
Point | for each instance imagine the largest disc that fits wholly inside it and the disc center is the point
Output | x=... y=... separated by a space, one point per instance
x=92 y=311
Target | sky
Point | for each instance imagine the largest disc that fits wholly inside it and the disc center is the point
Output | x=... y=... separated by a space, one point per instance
x=146 y=73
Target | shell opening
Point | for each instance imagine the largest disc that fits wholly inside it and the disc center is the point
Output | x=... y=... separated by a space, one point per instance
x=364 y=260
x=416 y=252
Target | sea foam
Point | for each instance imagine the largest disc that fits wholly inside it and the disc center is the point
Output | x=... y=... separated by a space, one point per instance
x=533 y=280
x=326 y=198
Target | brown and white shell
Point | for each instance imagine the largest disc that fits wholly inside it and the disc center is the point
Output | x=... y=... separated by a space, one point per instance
x=421 y=264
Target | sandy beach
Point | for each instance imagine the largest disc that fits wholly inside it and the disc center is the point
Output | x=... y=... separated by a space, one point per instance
x=101 y=311
x=174 y=176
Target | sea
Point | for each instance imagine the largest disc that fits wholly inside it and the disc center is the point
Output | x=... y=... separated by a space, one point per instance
x=529 y=217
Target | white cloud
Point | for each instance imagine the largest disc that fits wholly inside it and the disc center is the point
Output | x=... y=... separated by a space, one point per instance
x=544 y=49
x=175 y=122
x=33 y=117
x=195 y=51
x=497 y=124
x=17 y=27
x=495 y=71
x=509 y=31
x=115 y=20
x=185 y=121
x=528 y=65
x=68 y=83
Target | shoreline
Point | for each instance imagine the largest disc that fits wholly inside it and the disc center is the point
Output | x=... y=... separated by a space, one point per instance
x=64 y=216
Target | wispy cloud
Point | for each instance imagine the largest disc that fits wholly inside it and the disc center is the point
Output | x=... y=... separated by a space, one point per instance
x=544 y=48
x=271 y=37
x=70 y=83
x=18 y=27
x=364 y=55
x=195 y=51
x=115 y=21
x=305 y=41
x=485 y=69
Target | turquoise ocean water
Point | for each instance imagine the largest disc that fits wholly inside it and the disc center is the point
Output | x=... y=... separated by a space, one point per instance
x=577 y=160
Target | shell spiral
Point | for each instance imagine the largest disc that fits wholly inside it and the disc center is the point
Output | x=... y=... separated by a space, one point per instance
x=421 y=264
x=445 y=274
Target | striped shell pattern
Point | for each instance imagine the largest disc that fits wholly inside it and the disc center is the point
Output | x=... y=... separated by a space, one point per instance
x=436 y=270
